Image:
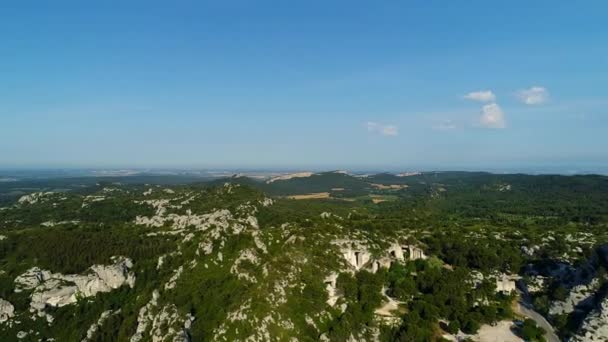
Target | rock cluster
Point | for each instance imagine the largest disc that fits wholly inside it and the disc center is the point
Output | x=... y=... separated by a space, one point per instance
x=33 y=197
x=7 y=310
x=330 y=287
x=57 y=290
x=358 y=256
x=576 y=297
x=95 y=326
x=595 y=325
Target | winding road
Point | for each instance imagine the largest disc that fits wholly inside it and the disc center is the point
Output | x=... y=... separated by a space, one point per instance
x=526 y=309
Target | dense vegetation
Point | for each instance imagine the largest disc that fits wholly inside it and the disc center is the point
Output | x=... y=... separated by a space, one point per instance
x=468 y=223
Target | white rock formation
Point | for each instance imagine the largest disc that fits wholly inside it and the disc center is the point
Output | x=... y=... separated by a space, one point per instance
x=161 y=324
x=330 y=286
x=95 y=326
x=290 y=176
x=395 y=251
x=172 y=282
x=530 y=251
x=161 y=261
x=31 y=278
x=415 y=253
x=381 y=263
x=166 y=325
x=57 y=290
x=595 y=325
x=506 y=283
x=145 y=317
x=357 y=256
x=576 y=295
x=266 y=202
x=7 y=310
x=248 y=255
x=33 y=197
x=53 y=223
x=220 y=219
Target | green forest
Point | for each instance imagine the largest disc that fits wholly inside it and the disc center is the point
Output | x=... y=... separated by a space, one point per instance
x=238 y=259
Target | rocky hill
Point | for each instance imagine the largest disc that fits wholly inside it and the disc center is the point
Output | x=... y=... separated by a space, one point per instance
x=231 y=260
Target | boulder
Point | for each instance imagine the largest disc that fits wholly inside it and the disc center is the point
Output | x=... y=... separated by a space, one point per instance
x=7 y=310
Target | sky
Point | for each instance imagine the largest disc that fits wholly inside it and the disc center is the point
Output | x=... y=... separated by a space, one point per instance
x=304 y=84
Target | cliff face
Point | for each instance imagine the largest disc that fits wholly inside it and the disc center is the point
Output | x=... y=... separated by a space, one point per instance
x=57 y=290
x=595 y=325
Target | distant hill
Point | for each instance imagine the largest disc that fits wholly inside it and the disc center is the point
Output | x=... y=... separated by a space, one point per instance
x=320 y=182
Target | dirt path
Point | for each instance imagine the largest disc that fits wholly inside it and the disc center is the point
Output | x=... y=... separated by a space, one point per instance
x=390 y=306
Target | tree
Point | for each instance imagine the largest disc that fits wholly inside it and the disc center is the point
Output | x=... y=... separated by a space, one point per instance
x=531 y=332
x=470 y=325
x=453 y=327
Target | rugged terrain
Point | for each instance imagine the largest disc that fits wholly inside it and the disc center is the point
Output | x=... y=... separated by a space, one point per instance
x=411 y=257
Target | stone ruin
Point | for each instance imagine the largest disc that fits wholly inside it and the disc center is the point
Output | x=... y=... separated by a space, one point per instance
x=406 y=252
x=358 y=256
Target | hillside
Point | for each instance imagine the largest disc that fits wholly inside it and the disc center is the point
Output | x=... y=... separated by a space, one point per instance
x=240 y=259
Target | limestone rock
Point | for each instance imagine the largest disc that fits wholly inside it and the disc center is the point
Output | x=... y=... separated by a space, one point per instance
x=7 y=310
x=595 y=325
x=506 y=283
x=577 y=295
x=266 y=202
x=330 y=286
x=145 y=317
x=57 y=290
x=95 y=326
x=33 y=197
x=31 y=278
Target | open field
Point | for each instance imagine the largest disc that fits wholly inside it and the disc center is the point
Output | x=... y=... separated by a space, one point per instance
x=316 y=195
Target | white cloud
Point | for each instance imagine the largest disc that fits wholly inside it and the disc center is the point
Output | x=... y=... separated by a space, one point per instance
x=492 y=116
x=444 y=125
x=389 y=130
x=533 y=96
x=481 y=96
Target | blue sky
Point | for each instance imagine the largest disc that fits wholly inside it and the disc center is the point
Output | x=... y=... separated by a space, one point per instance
x=327 y=84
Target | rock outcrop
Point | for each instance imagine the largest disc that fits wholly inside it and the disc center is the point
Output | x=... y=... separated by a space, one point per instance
x=330 y=286
x=358 y=256
x=506 y=283
x=405 y=252
x=595 y=325
x=33 y=198
x=415 y=253
x=7 y=310
x=95 y=326
x=577 y=296
x=57 y=290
